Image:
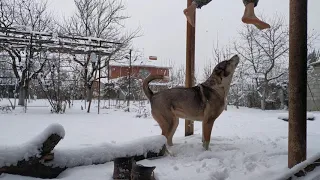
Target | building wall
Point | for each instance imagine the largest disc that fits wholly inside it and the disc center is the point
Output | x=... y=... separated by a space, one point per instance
x=140 y=72
x=313 y=97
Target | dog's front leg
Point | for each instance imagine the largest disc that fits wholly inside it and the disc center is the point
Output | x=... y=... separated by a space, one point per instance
x=207 y=125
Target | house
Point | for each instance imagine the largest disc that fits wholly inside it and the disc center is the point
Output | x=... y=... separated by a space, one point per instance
x=139 y=71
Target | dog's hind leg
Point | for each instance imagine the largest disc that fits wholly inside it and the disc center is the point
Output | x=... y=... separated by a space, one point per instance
x=163 y=123
x=172 y=130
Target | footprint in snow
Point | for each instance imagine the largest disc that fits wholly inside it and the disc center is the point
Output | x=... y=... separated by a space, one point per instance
x=198 y=170
x=250 y=166
x=220 y=174
x=86 y=145
x=176 y=168
x=284 y=153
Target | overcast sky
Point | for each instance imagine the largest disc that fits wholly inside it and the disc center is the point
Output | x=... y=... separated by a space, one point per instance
x=163 y=24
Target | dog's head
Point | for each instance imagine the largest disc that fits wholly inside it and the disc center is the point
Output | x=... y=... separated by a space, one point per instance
x=226 y=68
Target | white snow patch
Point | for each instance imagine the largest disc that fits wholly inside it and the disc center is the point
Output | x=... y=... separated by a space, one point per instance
x=246 y=144
x=219 y=174
x=285 y=116
x=106 y=152
x=11 y=155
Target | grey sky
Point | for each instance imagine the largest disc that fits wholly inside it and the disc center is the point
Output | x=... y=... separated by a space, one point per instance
x=164 y=25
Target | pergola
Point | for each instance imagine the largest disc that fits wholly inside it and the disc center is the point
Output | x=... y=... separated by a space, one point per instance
x=53 y=42
x=297 y=82
x=22 y=39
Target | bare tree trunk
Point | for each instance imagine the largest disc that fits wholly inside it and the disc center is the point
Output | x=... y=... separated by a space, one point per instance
x=22 y=96
x=237 y=98
x=89 y=98
x=281 y=99
x=90 y=91
x=263 y=99
x=264 y=95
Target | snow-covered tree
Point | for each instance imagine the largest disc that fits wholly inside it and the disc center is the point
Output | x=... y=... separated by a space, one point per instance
x=177 y=75
x=218 y=55
x=27 y=16
x=265 y=54
x=99 y=19
x=59 y=81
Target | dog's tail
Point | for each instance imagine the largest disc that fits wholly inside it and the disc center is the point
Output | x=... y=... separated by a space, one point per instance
x=147 y=91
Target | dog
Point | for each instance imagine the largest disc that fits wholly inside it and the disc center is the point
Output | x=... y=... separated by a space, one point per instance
x=204 y=102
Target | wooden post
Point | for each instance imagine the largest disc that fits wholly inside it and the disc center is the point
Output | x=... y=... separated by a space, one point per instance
x=297 y=82
x=99 y=85
x=122 y=168
x=130 y=71
x=190 y=51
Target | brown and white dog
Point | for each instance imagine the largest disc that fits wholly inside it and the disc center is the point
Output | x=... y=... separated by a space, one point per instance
x=204 y=102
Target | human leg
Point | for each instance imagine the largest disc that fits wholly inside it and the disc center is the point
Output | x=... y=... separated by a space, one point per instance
x=249 y=16
x=189 y=11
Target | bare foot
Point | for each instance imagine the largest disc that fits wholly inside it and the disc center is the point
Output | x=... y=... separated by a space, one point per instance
x=255 y=21
x=189 y=15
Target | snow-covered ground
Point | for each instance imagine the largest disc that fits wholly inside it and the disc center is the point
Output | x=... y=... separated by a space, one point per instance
x=246 y=144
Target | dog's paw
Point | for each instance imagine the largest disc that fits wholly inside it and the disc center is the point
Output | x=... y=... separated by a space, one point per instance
x=170 y=153
x=205 y=145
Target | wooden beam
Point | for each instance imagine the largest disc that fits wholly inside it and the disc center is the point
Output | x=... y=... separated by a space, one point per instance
x=297 y=82
x=190 y=54
x=306 y=170
x=42 y=42
x=50 y=34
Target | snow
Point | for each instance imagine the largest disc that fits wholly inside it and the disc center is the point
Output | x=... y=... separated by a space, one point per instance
x=285 y=116
x=10 y=155
x=246 y=144
x=107 y=152
x=289 y=173
x=143 y=62
x=314 y=175
x=315 y=63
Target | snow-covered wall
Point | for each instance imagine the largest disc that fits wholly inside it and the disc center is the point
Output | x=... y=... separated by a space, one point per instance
x=97 y=154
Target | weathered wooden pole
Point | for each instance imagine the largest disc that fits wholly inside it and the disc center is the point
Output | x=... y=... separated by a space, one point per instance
x=297 y=82
x=190 y=51
x=129 y=89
